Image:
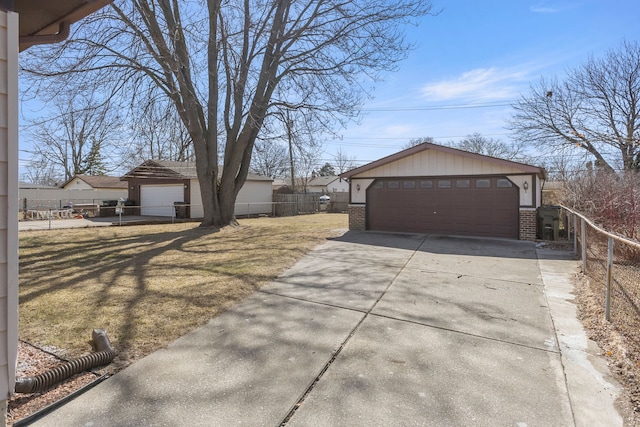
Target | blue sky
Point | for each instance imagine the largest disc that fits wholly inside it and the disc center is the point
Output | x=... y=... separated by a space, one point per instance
x=473 y=60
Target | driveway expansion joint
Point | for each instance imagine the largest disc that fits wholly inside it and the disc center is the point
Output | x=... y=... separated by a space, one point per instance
x=335 y=354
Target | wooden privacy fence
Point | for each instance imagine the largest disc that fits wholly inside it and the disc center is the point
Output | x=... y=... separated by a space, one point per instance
x=612 y=264
x=339 y=202
x=295 y=204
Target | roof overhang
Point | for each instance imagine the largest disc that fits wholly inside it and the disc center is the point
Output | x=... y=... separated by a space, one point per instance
x=49 y=21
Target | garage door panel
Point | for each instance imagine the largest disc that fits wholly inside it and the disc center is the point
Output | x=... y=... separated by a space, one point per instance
x=157 y=200
x=466 y=206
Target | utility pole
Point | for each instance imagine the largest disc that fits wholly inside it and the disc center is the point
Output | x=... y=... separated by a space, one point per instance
x=290 y=138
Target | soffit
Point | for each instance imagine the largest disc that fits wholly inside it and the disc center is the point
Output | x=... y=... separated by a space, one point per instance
x=44 y=17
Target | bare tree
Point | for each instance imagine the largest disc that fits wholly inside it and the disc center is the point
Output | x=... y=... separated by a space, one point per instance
x=476 y=143
x=74 y=137
x=226 y=66
x=306 y=159
x=597 y=108
x=343 y=162
x=270 y=159
x=40 y=171
x=157 y=133
x=417 y=141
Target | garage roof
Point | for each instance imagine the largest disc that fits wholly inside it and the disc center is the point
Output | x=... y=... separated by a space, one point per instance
x=177 y=170
x=48 y=21
x=428 y=146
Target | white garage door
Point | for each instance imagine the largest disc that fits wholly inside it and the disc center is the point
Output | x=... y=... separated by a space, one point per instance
x=157 y=200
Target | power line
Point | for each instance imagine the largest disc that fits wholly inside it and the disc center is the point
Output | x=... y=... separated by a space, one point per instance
x=440 y=107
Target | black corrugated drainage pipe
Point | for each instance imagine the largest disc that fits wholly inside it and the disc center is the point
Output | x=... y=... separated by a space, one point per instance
x=103 y=356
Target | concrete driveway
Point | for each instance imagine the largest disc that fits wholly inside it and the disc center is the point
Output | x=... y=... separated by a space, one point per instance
x=378 y=330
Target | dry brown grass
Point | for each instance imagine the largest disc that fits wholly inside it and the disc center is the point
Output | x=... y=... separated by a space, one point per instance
x=148 y=285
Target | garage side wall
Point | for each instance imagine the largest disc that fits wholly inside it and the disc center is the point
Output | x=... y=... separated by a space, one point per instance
x=255 y=198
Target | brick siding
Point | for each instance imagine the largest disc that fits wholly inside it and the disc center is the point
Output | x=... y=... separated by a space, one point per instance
x=357 y=217
x=527 y=224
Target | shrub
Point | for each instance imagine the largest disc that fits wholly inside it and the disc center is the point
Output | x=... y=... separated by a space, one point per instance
x=611 y=200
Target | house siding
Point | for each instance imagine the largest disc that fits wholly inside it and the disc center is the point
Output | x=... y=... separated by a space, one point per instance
x=40 y=198
x=8 y=202
x=78 y=184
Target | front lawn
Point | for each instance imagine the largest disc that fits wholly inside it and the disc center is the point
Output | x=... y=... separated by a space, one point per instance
x=148 y=285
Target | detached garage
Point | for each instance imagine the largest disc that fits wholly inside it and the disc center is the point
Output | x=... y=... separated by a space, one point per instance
x=440 y=190
x=157 y=186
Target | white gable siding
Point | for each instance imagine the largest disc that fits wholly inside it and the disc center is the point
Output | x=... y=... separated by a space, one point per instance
x=338 y=186
x=78 y=184
x=437 y=163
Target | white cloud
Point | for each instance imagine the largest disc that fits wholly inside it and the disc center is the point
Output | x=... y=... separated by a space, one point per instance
x=545 y=7
x=480 y=84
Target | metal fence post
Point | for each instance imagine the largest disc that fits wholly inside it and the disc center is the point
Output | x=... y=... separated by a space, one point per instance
x=583 y=235
x=607 y=309
x=575 y=234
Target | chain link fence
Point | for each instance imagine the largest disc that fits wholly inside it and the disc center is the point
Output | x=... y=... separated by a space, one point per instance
x=612 y=265
x=282 y=205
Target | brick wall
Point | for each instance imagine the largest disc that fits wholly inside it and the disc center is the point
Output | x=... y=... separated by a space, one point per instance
x=357 y=217
x=527 y=224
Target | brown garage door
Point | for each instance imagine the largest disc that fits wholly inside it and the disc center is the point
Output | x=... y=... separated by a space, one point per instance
x=477 y=206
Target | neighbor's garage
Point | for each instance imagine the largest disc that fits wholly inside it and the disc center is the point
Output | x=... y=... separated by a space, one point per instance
x=158 y=200
x=441 y=190
x=475 y=206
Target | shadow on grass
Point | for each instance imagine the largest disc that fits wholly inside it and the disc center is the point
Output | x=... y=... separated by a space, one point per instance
x=114 y=275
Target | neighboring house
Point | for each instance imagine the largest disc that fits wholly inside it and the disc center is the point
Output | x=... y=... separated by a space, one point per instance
x=156 y=186
x=327 y=184
x=440 y=190
x=99 y=182
x=279 y=184
x=95 y=189
x=78 y=190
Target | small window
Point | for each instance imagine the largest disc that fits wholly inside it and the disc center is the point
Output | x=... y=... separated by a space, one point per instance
x=378 y=184
x=408 y=184
x=393 y=184
x=503 y=183
x=483 y=183
x=463 y=183
x=426 y=184
x=444 y=183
